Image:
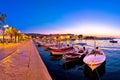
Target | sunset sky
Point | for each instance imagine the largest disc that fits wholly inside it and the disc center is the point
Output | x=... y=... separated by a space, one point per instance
x=87 y=17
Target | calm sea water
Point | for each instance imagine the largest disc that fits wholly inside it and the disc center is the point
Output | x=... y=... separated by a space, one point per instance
x=77 y=70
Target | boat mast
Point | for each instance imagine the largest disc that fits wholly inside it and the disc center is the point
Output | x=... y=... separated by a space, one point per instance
x=58 y=42
x=95 y=45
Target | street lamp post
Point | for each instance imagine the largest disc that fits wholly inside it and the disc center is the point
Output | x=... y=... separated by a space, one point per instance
x=4 y=27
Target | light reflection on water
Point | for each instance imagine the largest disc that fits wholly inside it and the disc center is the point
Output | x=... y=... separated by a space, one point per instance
x=110 y=70
x=103 y=44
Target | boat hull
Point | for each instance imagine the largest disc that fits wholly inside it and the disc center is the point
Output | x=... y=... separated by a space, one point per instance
x=93 y=66
x=68 y=57
x=94 y=61
x=57 y=53
x=60 y=51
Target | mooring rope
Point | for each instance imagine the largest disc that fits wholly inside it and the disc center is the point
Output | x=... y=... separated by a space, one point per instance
x=98 y=74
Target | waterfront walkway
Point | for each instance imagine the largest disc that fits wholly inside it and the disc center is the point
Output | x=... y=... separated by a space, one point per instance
x=21 y=61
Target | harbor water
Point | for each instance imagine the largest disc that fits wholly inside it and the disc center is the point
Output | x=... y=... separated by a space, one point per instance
x=77 y=70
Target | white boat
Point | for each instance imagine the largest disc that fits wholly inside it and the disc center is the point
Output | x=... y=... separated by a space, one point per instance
x=94 y=59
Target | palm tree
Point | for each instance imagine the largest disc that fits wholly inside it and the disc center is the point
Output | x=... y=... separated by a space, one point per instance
x=9 y=32
x=12 y=32
x=16 y=33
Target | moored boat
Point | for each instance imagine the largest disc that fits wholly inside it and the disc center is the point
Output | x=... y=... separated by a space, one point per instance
x=60 y=51
x=60 y=48
x=94 y=58
x=74 y=55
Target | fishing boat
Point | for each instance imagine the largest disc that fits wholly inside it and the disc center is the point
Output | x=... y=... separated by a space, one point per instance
x=60 y=51
x=94 y=58
x=60 y=48
x=76 y=54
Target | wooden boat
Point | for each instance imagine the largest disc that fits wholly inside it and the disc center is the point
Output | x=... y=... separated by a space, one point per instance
x=94 y=59
x=60 y=51
x=74 y=55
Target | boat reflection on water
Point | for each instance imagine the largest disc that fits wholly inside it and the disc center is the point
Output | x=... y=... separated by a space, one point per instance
x=96 y=74
x=47 y=49
x=53 y=58
x=72 y=64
